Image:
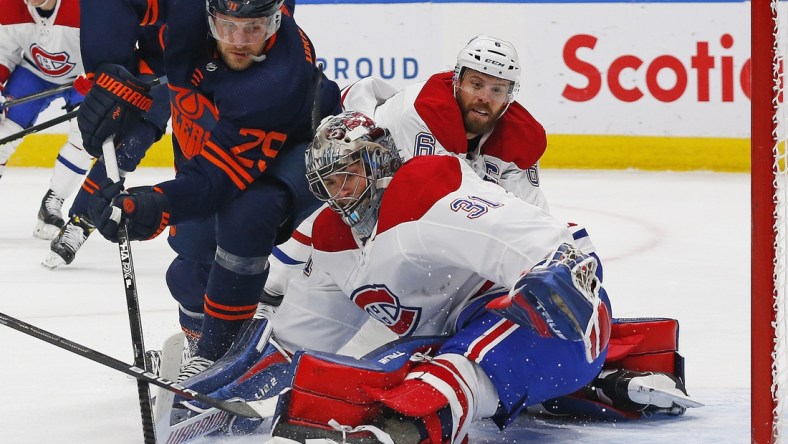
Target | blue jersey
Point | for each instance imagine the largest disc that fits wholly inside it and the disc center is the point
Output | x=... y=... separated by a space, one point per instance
x=228 y=126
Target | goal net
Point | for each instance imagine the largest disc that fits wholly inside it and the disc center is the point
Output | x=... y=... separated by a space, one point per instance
x=769 y=380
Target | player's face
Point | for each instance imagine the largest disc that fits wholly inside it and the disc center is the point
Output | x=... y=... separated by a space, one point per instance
x=482 y=99
x=346 y=186
x=237 y=39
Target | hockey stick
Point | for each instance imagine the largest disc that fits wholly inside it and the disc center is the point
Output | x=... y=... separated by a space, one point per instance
x=239 y=408
x=39 y=95
x=130 y=286
x=41 y=126
x=316 y=100
x=132 y=300
x=60 y=119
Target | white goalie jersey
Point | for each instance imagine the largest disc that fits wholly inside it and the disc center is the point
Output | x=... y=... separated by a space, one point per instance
x=443 y=236
x=46 y=46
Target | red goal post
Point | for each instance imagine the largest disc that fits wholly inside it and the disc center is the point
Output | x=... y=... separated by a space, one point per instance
x=768 y=226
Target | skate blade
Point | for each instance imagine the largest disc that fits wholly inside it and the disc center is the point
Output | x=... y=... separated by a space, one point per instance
x=45 y=231
x=52 y=261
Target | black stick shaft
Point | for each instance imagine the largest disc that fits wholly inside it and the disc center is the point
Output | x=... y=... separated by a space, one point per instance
x=132 y=302
x=235 y=408
x=39 y=95
x=41 y=126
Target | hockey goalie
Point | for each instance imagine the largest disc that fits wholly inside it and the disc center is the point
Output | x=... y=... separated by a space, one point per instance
x=433 y=299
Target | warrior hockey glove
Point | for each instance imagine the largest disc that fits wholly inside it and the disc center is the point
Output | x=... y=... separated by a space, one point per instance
x=115 y=97
x=145 y=210
x=560 y=298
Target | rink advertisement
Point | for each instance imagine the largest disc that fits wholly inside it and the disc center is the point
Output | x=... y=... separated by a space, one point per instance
x=652 y=85
x=647 y=85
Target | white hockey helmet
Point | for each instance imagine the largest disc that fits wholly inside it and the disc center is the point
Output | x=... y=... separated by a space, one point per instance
x=492 y=56
x=339 y=142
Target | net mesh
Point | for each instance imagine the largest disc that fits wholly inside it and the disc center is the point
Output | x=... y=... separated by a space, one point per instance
x=780 y=352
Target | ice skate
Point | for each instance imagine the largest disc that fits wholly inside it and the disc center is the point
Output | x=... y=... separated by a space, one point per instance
x=64 y=247
x=193 y=366
x=50 y=217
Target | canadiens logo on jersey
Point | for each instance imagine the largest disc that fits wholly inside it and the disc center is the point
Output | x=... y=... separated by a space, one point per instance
x=53 y=65
x=380 y=303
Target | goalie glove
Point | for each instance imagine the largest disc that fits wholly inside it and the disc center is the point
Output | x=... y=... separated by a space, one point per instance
x=145 y=210
x=559 y=298
x=114 y=98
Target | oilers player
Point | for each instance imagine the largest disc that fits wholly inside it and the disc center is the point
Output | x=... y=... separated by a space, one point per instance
x=242 y=103
x=140 y=134
x=39 y=50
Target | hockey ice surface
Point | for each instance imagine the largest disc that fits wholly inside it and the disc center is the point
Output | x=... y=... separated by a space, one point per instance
x=673 y=244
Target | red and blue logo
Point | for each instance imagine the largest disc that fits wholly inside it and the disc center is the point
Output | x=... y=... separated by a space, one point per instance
x=380 y=303
x=53 y=65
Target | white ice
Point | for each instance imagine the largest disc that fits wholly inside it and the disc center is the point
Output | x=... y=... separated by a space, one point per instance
x=673 y=245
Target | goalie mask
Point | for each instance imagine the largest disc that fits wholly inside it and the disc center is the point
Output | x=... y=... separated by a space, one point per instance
x=349 y=164
x=244 y=22
x=492 y=56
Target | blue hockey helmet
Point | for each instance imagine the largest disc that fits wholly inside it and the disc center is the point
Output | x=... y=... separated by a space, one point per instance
x=244 y=8
x=268 y=12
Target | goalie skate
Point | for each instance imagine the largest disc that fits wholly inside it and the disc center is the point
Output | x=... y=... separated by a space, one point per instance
x=65 y=245
x=50 y=217
x=654 y=392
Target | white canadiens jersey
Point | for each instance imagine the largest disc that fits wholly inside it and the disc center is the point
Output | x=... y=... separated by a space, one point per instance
x=443 y=237
x=48 y=47
x=425 y=118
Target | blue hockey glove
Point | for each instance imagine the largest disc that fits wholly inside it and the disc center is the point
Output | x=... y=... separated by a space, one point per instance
x=115 y=97
x=560 y=298
x=145 y=209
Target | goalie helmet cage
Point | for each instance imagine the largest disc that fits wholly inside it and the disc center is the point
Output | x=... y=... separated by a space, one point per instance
x=768 y=204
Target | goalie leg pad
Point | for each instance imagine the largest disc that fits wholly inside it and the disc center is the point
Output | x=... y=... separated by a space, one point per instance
x=330 y=388
x=250 y=347
x=646 y=344
x=643 y=353
x=524 y=367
